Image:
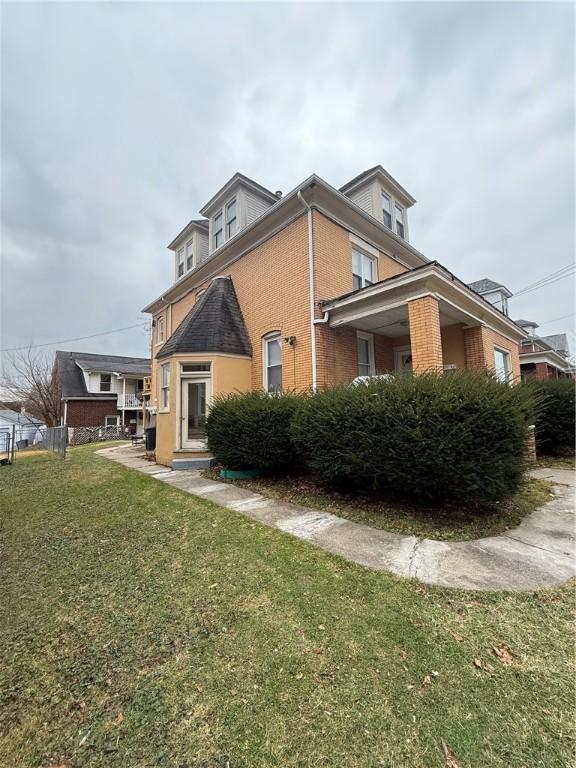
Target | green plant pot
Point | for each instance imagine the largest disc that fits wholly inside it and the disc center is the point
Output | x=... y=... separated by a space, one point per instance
x=239 y=474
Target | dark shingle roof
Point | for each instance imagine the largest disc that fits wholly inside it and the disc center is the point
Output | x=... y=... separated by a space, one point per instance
x=485 y=284
x=214 y=324
x=525 y=323
x=558 y=341
x=17 y=417
x=69 y=367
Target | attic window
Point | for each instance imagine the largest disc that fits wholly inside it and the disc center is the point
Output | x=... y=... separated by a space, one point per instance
x=217 y=232
x=189 y=255
x=231 y=221
x=105 y=382
x=180 y=262
x=399 y=220
x=387 y=210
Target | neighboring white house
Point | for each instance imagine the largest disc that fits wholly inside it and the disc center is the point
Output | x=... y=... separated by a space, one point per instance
x=26 y=428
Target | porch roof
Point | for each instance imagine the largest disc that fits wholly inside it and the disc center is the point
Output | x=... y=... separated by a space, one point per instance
x=383 y=306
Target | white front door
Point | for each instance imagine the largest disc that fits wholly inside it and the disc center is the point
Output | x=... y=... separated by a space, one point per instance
x=403 y=359
x=195 y=396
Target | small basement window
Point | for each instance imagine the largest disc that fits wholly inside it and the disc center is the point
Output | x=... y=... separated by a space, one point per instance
x=111 y=421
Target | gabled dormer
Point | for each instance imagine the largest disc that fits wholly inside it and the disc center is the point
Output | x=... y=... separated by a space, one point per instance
x=496 y=293
x=235 y=206
x=380 y=195
x=190 y=247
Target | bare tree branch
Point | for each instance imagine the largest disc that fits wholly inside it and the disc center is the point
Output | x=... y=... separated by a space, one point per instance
x=30 y=380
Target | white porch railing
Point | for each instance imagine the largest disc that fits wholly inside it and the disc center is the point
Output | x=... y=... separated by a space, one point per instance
x=128 y=401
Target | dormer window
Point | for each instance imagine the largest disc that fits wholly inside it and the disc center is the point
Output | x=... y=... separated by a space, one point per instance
x=180 y=262
x=231 y=220
x=217 y=230
x=189 y=255
x=105 y=382
x=399 y=220
x=387 y=210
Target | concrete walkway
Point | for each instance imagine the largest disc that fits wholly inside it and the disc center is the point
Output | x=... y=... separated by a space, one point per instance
x=540 y=552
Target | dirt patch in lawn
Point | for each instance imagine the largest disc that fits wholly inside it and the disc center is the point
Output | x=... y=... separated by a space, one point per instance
x=451 y=522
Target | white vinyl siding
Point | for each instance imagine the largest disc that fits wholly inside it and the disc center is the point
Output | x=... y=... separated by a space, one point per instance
x=363 y=198
x=254 y=207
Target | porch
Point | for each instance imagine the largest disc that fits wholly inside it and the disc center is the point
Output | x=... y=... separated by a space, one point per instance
x=421 y=320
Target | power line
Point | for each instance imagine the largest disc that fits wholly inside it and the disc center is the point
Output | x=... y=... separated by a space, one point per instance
x=78 y=338
x=554 y=277
x=546 y=277
x=546 y=322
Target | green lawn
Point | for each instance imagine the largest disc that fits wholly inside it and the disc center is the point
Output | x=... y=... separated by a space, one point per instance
x=142 y=627
x=451 y=522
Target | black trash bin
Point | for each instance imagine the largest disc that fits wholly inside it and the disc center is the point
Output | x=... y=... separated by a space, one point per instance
x=150 y=438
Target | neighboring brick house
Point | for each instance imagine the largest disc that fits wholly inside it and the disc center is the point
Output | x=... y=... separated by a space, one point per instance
x=306 y=290
x=544 y=357
x=101 y=390
x=541 y=357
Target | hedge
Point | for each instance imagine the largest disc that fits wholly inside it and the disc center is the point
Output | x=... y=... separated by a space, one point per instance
x=252 y=430
x=555 y=421
x=432 y=437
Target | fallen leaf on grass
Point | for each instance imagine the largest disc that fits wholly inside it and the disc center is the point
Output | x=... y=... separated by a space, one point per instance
x=504 y=654
x=403 y=654
x=119 y=718
x=200 y=688
x=456 y=635
x=450 y=757
x=426 y=683
x=479 y=664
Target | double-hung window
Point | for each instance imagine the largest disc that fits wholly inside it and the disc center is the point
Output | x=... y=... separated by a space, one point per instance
x=387 y=210
x=111 y=421
x=165 y=386
x=180 y=262
x=217 y=231
x=160 y=330
x=273 y=363
x=365 y=343
x=189 y=256
x=502 y=364
x=363 y=270
x=231 y=220
x=105 y=382
x=399 y=220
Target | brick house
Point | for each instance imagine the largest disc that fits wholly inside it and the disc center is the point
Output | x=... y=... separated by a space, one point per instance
x=101 y=390
x=306 y=290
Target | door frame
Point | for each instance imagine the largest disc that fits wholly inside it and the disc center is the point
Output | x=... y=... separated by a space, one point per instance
x=398 y=353
x=206 y=379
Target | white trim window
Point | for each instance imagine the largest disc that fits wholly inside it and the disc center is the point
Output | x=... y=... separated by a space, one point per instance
x=217 y=230
x=180 y=269
x=400 y=223
x=112 y=421
x=160 y=330
x=273 y=362
x=165 y=386
x=105 y=382
x=189 y=256
x=387 y=210
x=502 y=364
x=365 y=345
x=231 y=220
x=363 y=270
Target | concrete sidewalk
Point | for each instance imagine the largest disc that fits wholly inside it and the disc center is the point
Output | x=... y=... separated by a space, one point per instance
x=540 y=552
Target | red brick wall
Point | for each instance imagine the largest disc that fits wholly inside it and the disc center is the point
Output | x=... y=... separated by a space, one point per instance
x=89 y=413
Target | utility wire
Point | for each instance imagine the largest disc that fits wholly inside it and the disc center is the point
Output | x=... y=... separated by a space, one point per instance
x=78 y=338
x=546 y=277
x=544 y=283
x=546 y=322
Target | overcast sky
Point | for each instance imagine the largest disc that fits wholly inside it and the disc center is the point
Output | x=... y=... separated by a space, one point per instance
x=119 y=121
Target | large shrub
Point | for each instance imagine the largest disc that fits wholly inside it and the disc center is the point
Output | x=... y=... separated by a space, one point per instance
x=431 y=437
x=556 y=418
x=252 y=430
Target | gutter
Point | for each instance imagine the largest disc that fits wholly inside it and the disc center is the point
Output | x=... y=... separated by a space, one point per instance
x=311 y=289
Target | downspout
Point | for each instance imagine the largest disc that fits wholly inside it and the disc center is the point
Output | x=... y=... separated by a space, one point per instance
x=311 y=290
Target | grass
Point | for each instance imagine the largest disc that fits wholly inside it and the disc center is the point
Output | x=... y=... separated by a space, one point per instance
x=145 y=628
x=446 y=523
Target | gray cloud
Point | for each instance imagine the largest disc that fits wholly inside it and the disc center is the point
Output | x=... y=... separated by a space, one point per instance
x=120 y=120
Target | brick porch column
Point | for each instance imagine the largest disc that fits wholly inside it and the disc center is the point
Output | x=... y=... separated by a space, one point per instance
x=474 y=347
x=541 y=371
x=425 y=339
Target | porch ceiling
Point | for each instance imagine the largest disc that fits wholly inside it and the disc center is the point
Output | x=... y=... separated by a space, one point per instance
x=383 y=307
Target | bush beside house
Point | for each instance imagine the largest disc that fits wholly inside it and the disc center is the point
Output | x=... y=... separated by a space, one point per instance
x=432 y=437
x=252 y=431
x=556 y=418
